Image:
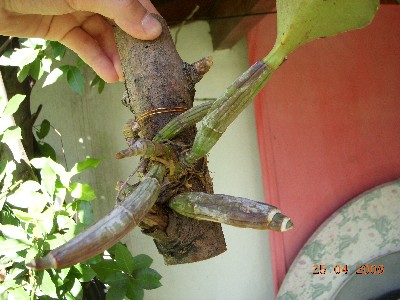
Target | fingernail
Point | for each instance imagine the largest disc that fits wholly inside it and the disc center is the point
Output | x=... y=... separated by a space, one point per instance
x=151 y=25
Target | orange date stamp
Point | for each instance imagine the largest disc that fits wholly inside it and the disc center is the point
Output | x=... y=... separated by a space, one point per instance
x=361 y=269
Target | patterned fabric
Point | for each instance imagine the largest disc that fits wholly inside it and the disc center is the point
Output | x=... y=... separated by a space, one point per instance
x=366 y=228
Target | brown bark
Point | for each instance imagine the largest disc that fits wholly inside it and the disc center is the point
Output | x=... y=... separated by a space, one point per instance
x=156 y=77
x=23 y=115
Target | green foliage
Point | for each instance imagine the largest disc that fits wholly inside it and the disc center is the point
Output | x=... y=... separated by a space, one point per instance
x=35 y=218
x=36 y=57
x=38 y=215
x=126 y=275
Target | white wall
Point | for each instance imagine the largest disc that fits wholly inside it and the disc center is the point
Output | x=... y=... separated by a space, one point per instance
x=91 y=126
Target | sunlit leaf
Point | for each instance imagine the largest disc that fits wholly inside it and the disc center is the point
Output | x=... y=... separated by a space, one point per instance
x=53 y=77
x=82 y=191
x=10 y=246
x=76 y=289
x=31 y=253
x=21 y=215
x=11 y=134
x=13 y=104
x=23 y=73
x=47 y=285
x=84 y=165
x=19 y=57
x=85 y=213
x=48 y=179
x=18 y=293
x=25 y=198
x=46 y=64
x=13 y=232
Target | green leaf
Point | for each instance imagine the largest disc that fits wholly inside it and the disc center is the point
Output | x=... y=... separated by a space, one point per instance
x=98 y=81
x=64 y=222
x=10 y=246
x=82 y=191
x=13 y=232
x=148 y=278
x=142 y=261
x=302 y=21
x=55 y=240
x=85 y=213
x=46 y=64
x=23 y=73
x=75 y=79
x=25 y=199
x=86 y=273
x=3 y=165
x=40 y=162
x=134 y=291
x=46 y=223
x=47 y=285
x=21 y=215
x=124 y=258
x=13 y=104
x=101 y=86
x=30 y=186
x=60 y=194
x=53 y=77
x=105 y=269
x=44 y=129
x=19 y=57
x=33 y=42
x=36 y=70
x=62 y=273
x=57 y=50
x=48 y=179
x=116 y=293
x=84 y=165
x=18 y=293
x=80 y=63
x=118 y=279
x=31 y=253
x=95 y=80
x=76 y=290
x=12 y=133
x=47 y=151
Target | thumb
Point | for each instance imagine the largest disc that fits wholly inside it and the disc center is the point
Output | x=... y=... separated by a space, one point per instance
x=132 y=16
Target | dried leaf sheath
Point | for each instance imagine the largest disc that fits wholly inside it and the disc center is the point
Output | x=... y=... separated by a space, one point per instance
x=106 y=232
x=230 y=210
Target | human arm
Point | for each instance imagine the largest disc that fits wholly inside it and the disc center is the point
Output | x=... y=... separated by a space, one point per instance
x=83 y=26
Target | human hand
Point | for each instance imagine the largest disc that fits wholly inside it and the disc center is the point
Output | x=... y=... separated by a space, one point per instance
x=82 y=26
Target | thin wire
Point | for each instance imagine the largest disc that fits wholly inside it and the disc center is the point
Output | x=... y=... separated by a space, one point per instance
x=173 y=22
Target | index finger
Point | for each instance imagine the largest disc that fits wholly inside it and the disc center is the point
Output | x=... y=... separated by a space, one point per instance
x=132 y=16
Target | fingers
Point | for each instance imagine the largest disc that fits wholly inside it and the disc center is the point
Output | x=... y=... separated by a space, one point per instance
x=100 y=30
x=93 y=53
x=131 y=15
